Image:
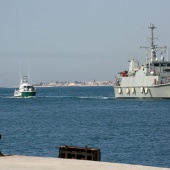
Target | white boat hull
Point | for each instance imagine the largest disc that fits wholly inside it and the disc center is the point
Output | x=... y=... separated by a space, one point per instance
x=157 y=91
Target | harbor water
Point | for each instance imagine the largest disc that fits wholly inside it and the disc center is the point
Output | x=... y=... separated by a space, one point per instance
x=132 y=131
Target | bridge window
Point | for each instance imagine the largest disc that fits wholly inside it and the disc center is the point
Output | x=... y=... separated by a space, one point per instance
x=156 y=64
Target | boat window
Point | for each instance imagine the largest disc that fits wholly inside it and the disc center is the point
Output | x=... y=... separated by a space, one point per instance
x=168 y=64
x=156 y=64
x=163 y=64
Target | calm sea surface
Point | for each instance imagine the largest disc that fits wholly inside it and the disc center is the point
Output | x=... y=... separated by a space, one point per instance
x=133 y=131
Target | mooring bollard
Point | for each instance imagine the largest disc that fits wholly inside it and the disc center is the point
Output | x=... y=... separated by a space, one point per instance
x=83 y=153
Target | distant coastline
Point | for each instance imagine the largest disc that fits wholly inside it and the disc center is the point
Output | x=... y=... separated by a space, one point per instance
x=65 y=84
x=76 y=83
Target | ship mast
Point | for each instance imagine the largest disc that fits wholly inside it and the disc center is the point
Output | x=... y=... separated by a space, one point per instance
x=153 y=48
x=152 y=27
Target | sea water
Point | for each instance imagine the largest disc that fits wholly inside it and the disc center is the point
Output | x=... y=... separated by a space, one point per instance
x=132 y=131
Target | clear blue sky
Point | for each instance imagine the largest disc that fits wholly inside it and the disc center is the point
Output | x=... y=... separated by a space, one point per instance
x=76 y=40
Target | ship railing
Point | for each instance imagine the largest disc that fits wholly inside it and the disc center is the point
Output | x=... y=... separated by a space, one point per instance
x=164 y=81
x=116 y=84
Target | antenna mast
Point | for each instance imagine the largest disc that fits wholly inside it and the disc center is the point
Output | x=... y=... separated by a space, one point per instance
x=152 y=27
x=153 y=48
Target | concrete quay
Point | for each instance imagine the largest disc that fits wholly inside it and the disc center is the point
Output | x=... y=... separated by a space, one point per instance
x=17 y=162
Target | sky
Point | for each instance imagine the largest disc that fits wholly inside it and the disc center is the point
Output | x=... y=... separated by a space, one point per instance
x=76 y=40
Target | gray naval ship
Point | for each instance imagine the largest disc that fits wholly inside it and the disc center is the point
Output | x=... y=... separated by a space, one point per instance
x=150 y=80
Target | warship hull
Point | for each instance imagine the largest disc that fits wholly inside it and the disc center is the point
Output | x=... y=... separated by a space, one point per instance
x=157 y=91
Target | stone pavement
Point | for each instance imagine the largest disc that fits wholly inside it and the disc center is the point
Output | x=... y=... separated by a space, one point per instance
x=16 y=162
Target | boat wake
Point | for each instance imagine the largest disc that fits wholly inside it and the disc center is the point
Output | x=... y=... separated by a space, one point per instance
x=13 y=97
x=80 y=97
x=97 y=97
